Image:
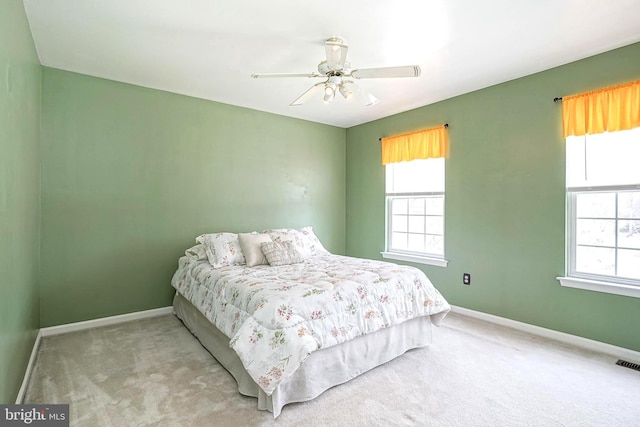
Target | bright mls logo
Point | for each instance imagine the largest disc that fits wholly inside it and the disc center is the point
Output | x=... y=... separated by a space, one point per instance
x=37 y=415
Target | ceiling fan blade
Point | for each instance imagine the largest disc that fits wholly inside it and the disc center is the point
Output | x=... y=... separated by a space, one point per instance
x=276 y=75
x=336 y=53
x=386 y=72
x=308 y=94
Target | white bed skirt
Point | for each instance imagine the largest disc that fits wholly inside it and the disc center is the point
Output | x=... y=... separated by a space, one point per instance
x=321 y=370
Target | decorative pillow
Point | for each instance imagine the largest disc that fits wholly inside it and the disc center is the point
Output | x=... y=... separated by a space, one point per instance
x=250 y=244
x=281 y=253
x=222 y=249
x=303 y=239
x=281 y=235
x=198 y=252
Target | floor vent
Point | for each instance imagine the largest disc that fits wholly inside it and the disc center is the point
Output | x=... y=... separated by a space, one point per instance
x=629 y=365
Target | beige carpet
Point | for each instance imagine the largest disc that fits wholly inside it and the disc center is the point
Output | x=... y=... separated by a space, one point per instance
x=154 y=372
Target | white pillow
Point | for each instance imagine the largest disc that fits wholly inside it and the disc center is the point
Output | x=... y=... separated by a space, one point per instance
x=312 y=241
x=281 y=253
x=250 y=243
x=222 y=249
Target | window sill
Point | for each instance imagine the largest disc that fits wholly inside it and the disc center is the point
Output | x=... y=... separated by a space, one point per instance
x=439 y=262
x=606 y=287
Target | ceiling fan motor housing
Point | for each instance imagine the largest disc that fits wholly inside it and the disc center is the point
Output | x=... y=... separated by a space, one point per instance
x=324 y=68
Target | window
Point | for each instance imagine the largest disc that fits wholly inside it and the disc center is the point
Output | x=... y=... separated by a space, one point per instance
x=603 y=209
x=415 y=211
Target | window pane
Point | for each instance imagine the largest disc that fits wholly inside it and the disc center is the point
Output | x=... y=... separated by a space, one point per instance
x=434 y=205
x=416 y=224
x=399 y=206
x=416 y=243
x=629 y=204
x=435 y=244
x=629 y=263
x=435 y=225
x=416 y=206
x=609 y=158
x=399 y=241
x=596 y=205
x=599 y=232
x=399 y=223
x=575 y=162
x=417 y=231
x=595 y=260
x=416 y=176
x=629 y=234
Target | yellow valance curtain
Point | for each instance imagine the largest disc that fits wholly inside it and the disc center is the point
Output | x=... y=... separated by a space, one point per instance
x=609 y=109
x=422 y=144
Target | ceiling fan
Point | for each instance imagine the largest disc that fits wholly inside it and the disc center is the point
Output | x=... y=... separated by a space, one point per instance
x=339 y=75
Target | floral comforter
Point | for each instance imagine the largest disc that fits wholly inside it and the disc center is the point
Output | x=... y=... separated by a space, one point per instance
x=276 y=316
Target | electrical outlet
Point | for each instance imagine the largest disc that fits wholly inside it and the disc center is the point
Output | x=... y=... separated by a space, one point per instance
x=466 y=279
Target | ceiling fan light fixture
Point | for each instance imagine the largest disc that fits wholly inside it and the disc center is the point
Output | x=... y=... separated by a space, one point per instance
x=329 y=92
x=331 y=87
x=346 y=89
x=370 y=100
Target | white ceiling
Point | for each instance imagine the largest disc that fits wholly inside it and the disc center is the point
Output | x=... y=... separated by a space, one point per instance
x=209 y=48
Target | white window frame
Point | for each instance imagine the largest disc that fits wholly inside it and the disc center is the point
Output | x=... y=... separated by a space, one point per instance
x=590 y=281
x=405 y=255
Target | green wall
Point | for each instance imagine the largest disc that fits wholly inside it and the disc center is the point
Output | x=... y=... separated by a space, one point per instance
x=505 y=200
x=130 y=176
x=19 y=196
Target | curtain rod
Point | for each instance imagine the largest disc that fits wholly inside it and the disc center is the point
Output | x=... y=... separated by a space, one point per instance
x=446 y=125
x=558 y=99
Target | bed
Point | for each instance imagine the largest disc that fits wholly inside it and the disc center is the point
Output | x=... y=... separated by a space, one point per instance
x=291 y=322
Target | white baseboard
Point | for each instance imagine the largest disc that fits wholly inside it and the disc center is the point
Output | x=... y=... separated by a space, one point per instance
x=105 y=321
x=79 y=326
x=27 y=373
x=585 y=343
